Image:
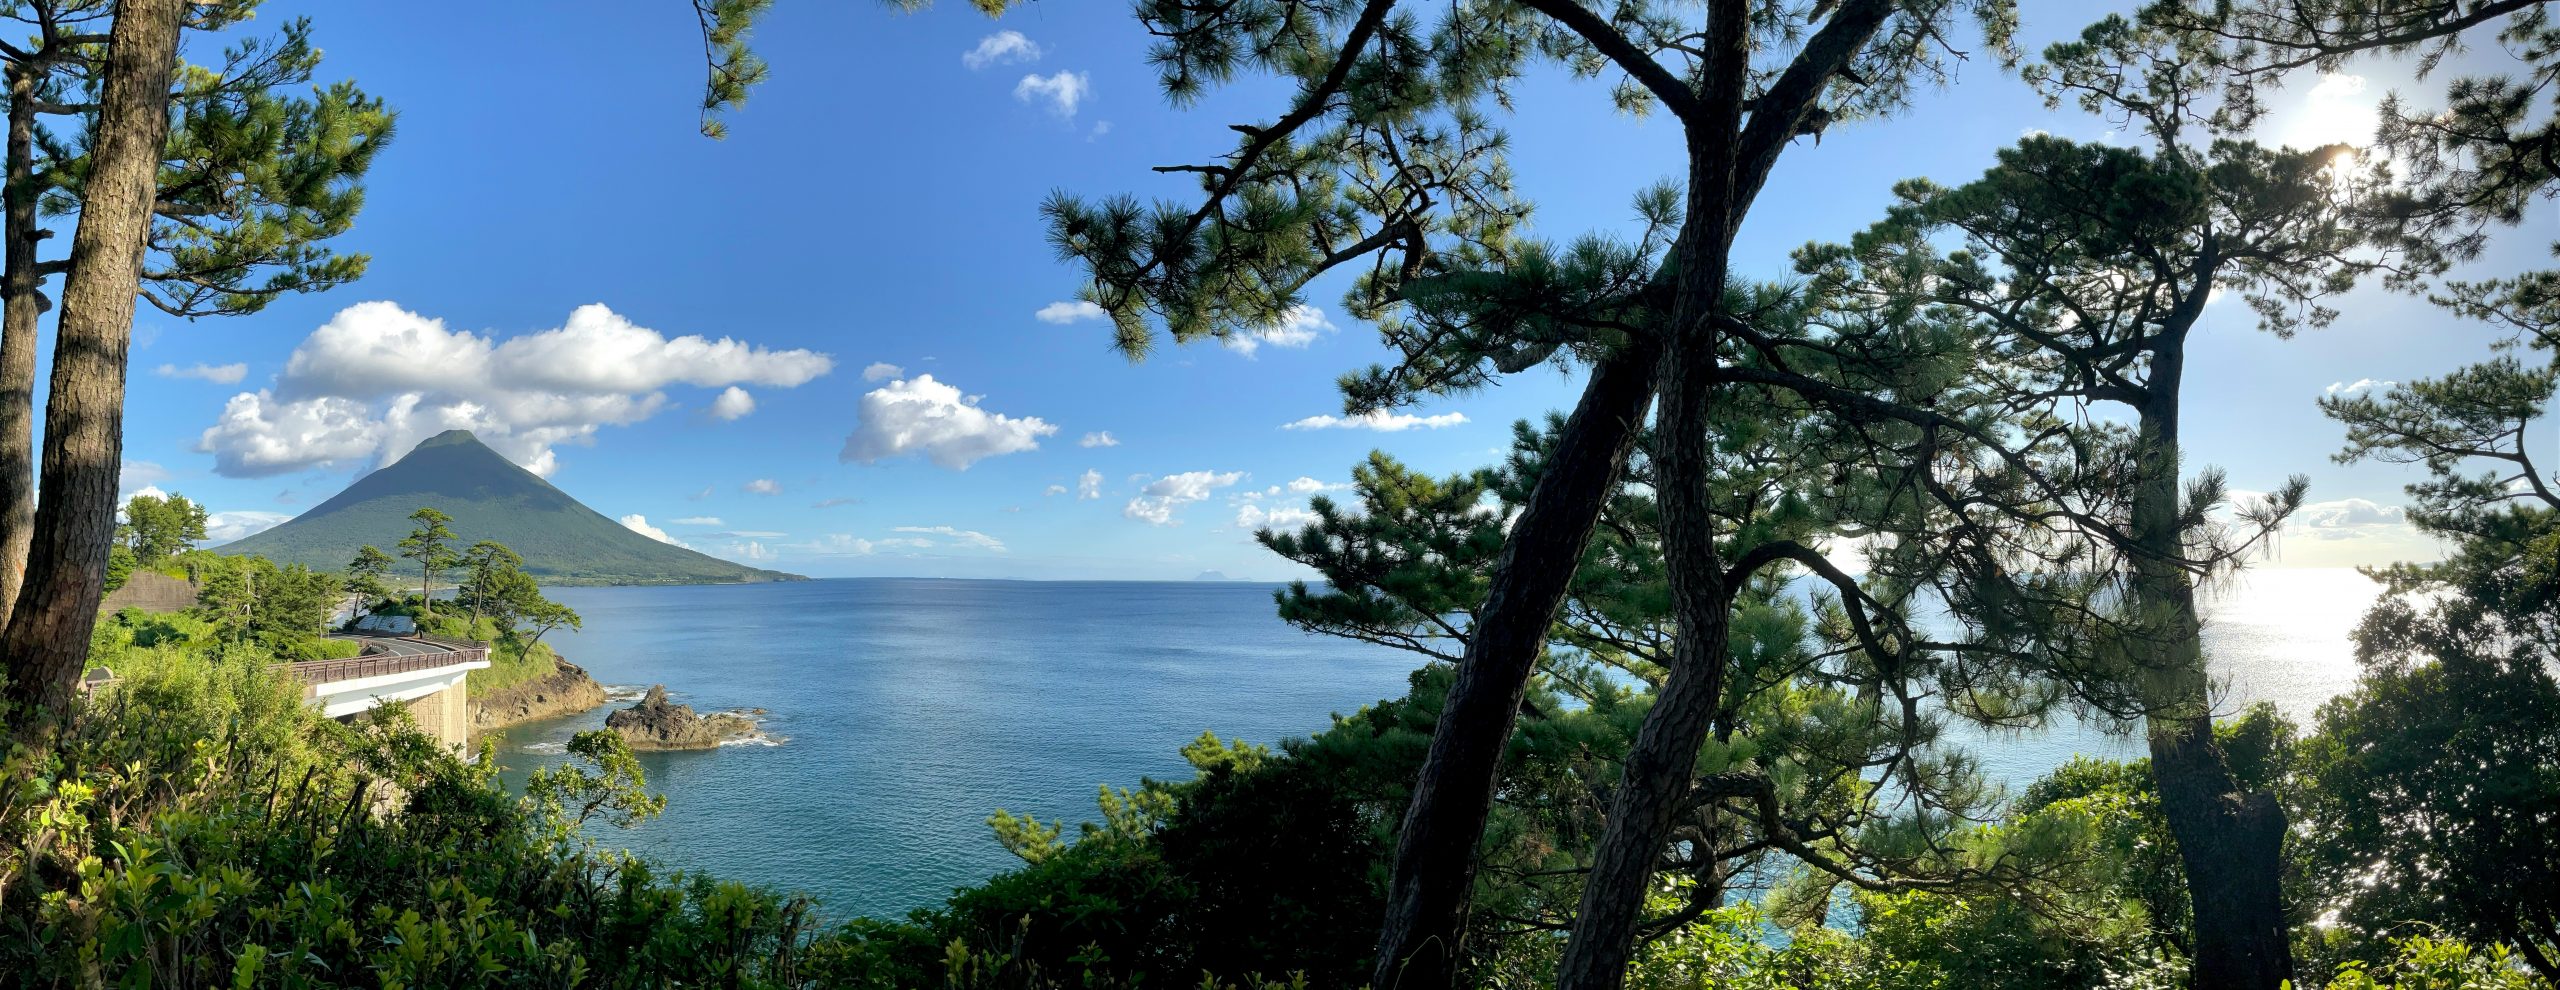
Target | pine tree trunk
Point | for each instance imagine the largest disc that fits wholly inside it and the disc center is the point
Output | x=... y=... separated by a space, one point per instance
x=2230 y=840
x=1418 y=946
x=19 y=311
x=47 y=639
x=1656 y=776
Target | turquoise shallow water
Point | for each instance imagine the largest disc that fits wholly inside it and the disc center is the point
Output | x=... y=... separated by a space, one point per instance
x=904 y=711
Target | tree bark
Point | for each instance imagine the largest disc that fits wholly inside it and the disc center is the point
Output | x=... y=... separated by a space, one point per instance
x=1419 y=944
x=1655 y=777
x=47 y=639
x=19 y=311
x=2230 y=840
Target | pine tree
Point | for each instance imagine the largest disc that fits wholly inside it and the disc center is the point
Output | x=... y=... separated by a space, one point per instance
x=1386 y=163
x=364 y=576
x=157 y=527
x=46 y=641
x=255 y=181
x=489 y=562
x=121 y=198
x=431 y=545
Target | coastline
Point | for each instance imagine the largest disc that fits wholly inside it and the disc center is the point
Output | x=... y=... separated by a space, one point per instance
x=567 y=690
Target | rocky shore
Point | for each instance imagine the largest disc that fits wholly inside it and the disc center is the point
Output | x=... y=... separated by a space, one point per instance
x=567 y=691
x=658 y=724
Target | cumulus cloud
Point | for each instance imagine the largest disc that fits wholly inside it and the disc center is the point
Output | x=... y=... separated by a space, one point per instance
x=368 y=385
x=1297 y=328
x=733 y=404
x=2357 y=387
x=1063 y=313
x=1001 y=48
x=638 y=523
x=1156 y=502
x=1102 y=439
x=2348 y=514
x=1379 y=420
x=220 y=374
x=1055 y=490
x=131 y=475
x=686 y=521
x=762 y=486
x=1064 y=91
x=922 y=416
x=881 y=371
x=224 y=527
x=1309 y=486
x=746 y=550
x=1256 y=517
x=1088 y=485
x=966 y=537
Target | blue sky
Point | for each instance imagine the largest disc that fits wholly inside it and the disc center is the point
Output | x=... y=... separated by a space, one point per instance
x=863 y=262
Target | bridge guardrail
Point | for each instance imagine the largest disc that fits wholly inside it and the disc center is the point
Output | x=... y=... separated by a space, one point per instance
x=313 y=672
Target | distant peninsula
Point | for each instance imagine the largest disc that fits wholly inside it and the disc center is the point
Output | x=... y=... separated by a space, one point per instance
x=563 y=542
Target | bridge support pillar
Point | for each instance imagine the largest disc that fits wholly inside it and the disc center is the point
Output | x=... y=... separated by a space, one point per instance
x=445 y=714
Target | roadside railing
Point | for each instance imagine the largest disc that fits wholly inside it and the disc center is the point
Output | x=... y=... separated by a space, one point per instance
x=316 y=672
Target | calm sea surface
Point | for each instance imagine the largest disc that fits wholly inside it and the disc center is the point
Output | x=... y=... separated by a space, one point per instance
x=902 y=712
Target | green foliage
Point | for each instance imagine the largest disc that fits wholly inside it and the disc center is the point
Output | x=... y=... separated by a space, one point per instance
x=246 y=597
x=157 y=527
x=201 y=827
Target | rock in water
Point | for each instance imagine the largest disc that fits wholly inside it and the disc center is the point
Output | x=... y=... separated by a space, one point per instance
x=656 y=723
x=567 y=690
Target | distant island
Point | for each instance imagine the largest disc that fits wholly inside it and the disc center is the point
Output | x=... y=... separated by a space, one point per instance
x=562 y=541
x=1213 y=576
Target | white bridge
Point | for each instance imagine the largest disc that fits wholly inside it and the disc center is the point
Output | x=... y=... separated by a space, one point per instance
x=426 y=673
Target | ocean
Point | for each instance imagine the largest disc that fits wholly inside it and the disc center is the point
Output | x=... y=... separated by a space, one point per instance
x=901 y=713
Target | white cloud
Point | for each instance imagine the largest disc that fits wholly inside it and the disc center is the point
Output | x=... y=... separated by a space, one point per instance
x=923 y=416
x=1001 y=48
x=1088 y=485
x=752 y=534
x=1256 y=517
x=1063 y=90
x=1297 y=328
x=1310 y=486
x=881 y=371
x=1055 y=490
x=224 y=527
x=147 y=491
x=733 y=404
x=368 y=385
x=746 y=550
x=1379 y=420
x=829 y=503
x=1157 y=501
x=834 y=545
x=220 y=374
x=687 y=521
x=1102 y=439
x=2357 y=387
x=136 y=474
x=1063 y=313
x=638 y=523
x=967 y=537
x=762 y=486
x=2348 y=513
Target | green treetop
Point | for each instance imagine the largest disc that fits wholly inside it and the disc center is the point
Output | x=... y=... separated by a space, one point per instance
x=431 y=545
x=157 y=527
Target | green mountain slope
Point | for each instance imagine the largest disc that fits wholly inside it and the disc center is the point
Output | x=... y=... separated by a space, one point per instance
x=489 y=498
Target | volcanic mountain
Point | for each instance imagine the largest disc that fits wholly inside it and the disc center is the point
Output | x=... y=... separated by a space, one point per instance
x=489 y=498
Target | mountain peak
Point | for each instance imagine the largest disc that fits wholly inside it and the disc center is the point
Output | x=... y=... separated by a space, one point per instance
x=446 y=439
x=489 y=498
